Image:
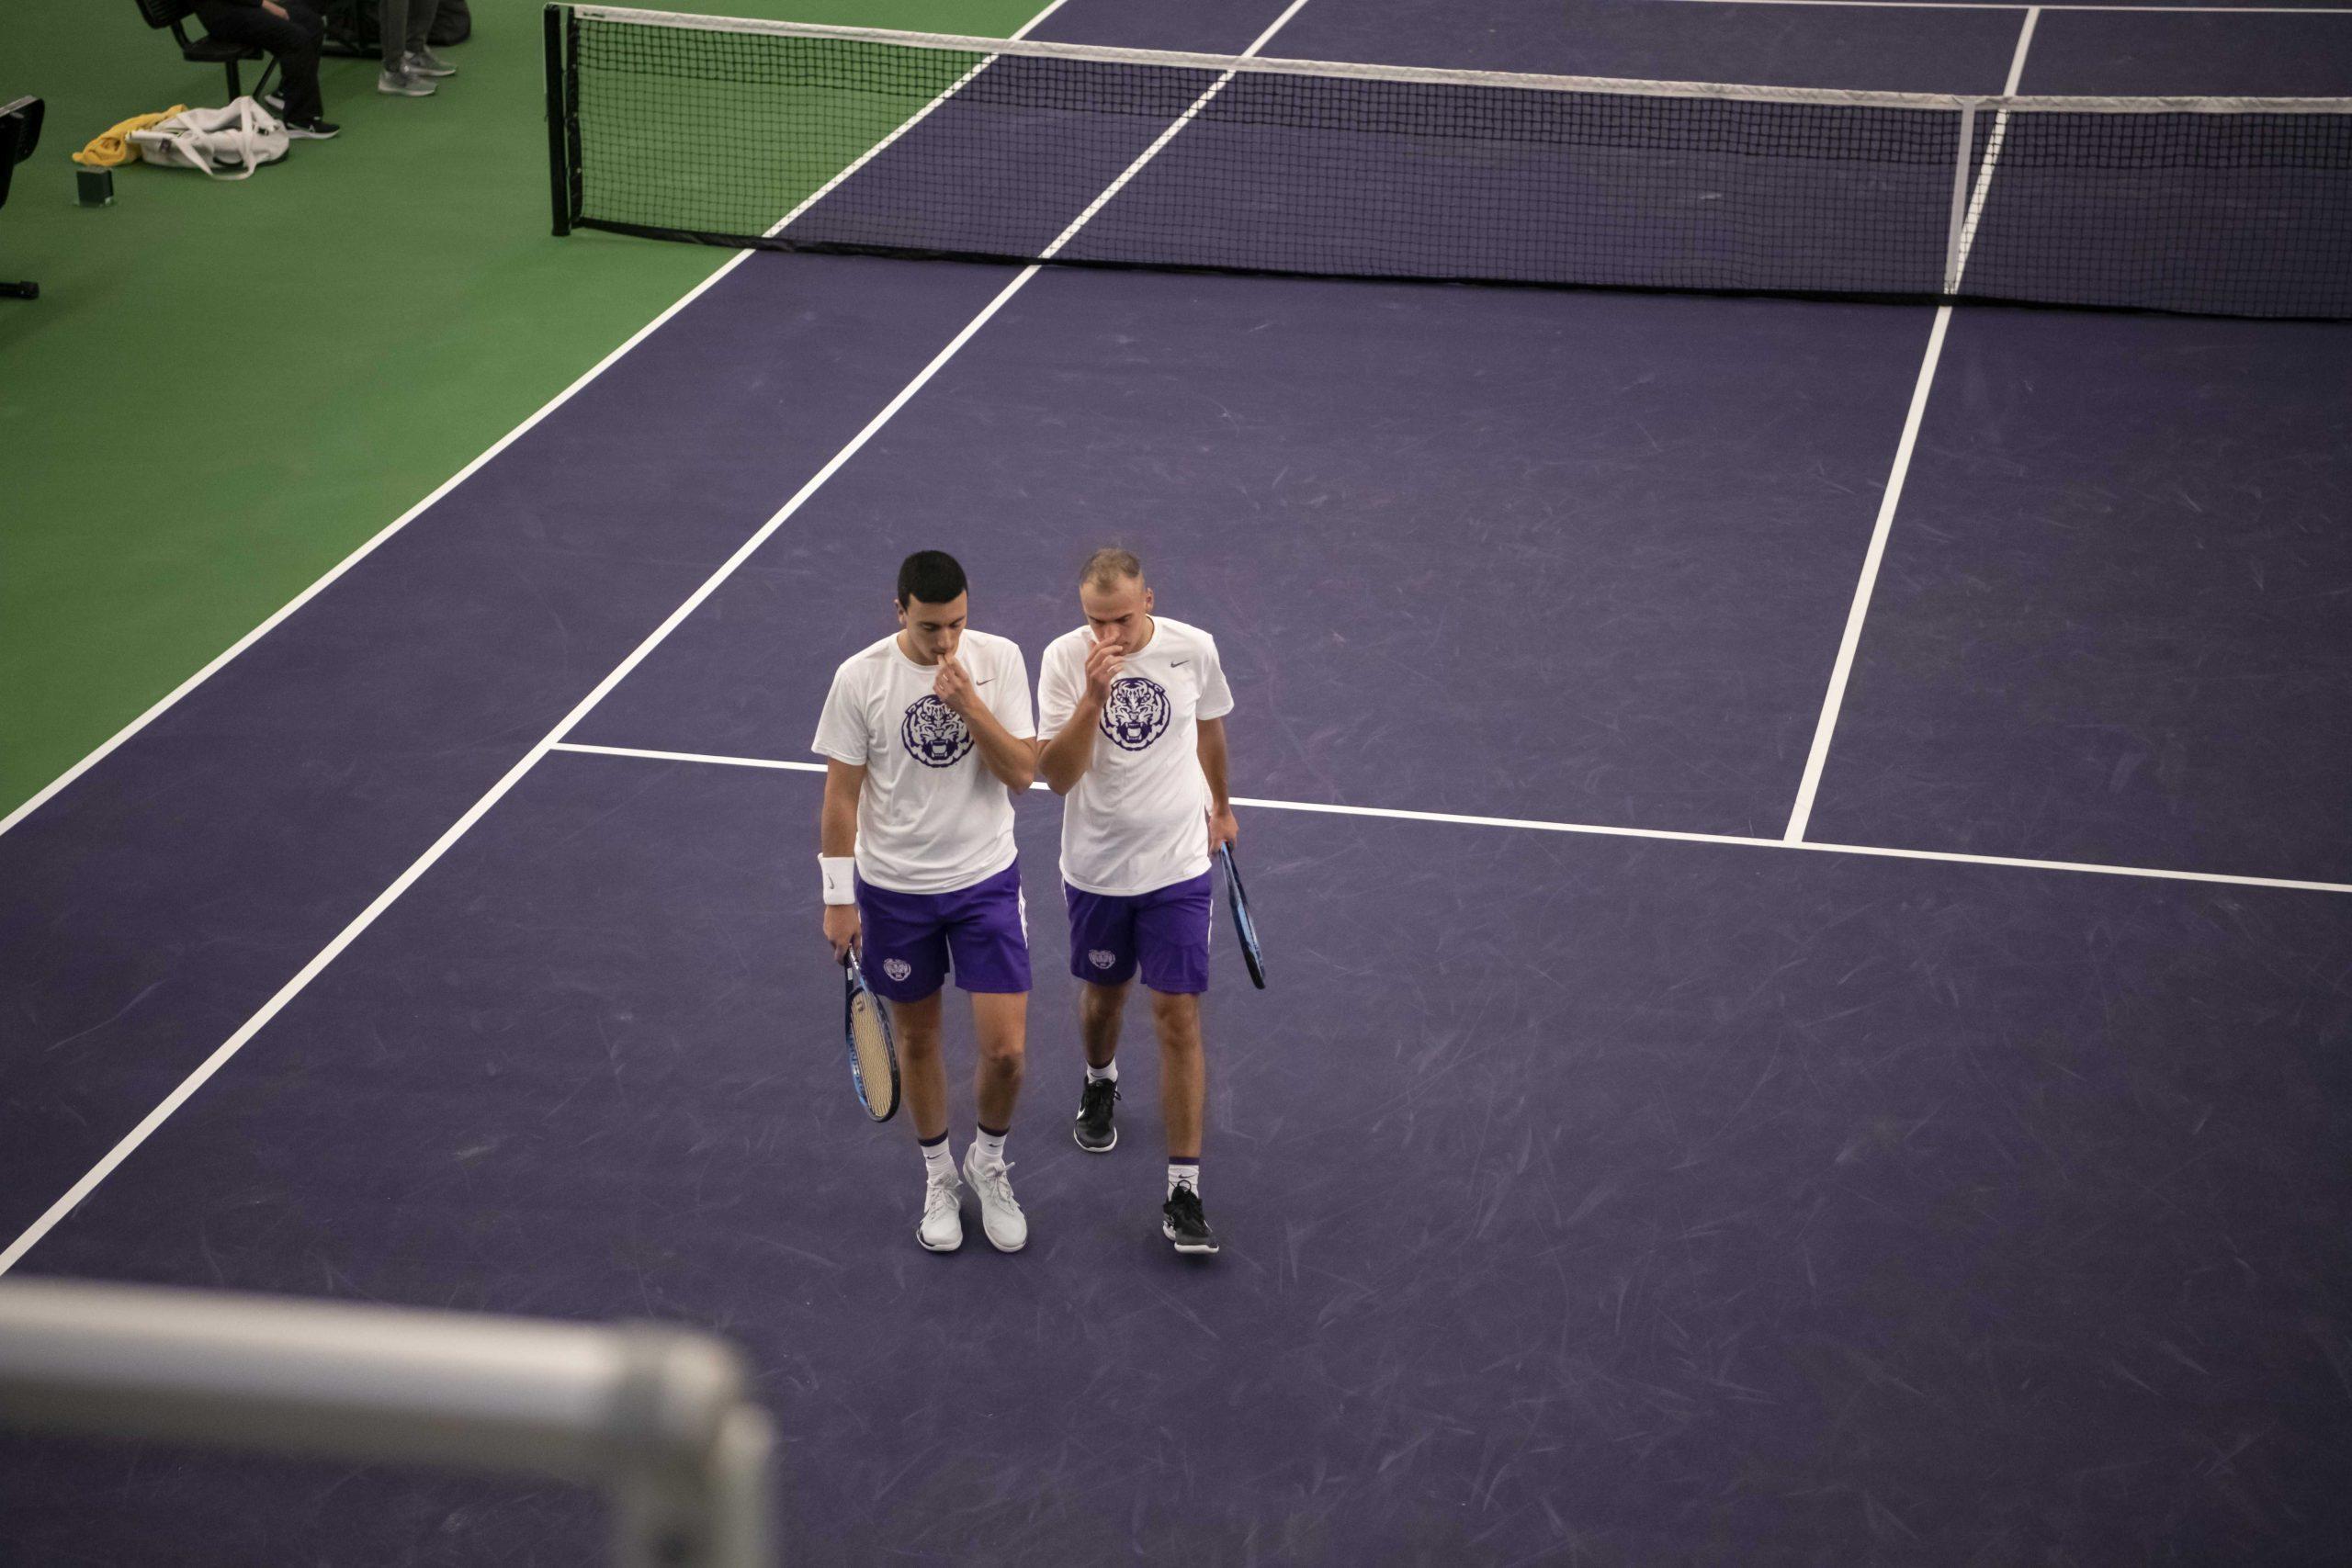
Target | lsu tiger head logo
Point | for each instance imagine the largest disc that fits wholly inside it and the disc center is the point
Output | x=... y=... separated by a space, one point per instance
x=1136 y=714
x=897 y=968
x=934 y=735
x=1102 y=957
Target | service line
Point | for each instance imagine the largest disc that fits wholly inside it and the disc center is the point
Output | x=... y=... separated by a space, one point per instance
x=1597 y=829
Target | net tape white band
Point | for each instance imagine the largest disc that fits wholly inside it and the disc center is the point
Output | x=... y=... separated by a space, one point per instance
x=1503 y=80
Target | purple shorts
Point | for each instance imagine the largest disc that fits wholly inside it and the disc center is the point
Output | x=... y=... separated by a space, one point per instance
x=906 y=939
x=1164 y=932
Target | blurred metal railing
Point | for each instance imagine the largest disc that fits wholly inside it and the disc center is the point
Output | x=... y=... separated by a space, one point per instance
x=660 y=1417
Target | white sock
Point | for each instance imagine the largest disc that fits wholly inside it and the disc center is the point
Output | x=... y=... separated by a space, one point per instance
x=991 y=1144
x=938 y=1159
x=1183 y=1173
x=1100 y=1074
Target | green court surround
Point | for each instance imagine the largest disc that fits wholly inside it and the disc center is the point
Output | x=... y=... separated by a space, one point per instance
x=225 y=387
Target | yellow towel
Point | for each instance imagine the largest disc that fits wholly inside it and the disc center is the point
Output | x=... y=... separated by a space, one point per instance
x=114 y=149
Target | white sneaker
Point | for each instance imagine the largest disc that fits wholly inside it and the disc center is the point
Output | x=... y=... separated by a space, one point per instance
x=1000 y=1217
x=401 y=85
x=943 y=1217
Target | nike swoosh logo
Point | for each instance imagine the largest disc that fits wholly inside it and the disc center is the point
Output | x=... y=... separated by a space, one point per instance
x=1178 y=663
x=989 y=681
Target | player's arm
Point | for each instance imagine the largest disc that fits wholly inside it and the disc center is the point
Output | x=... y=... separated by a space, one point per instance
x=1064 y=758
x=836 y=847
x=1010 y=757
x=1223 y=828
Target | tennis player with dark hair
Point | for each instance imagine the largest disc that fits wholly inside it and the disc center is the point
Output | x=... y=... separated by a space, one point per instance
x=927 y=736
x=1132 y=718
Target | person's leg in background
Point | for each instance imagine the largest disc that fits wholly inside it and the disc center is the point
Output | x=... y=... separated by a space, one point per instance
x=393 y=20
x=291 y=31
x=419 y=57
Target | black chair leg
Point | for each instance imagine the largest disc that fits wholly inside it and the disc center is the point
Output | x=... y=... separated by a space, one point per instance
x=261 y=88
x=236 y=87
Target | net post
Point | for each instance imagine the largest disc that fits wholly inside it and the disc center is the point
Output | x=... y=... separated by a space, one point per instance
x=689 y=1489
x=555 y=32
x=1964 y=162
x=712 y=1516
x=662 y=1419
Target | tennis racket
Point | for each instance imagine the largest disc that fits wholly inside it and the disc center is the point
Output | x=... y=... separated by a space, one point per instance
x=873 y=1055
x=1243 y=926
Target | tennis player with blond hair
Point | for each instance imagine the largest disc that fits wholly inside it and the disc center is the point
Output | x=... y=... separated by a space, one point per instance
x=1131 y=709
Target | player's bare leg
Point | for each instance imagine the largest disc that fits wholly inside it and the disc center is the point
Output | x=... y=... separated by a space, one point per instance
x=1100 y=1009
x=1183 y=1077
x=1001 y=1019
x=923 y=1071
x=1184 y=1096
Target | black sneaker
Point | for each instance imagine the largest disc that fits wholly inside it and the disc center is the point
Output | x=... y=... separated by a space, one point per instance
x=1094 y=1132
x=1185 y=1225
x=313 y=129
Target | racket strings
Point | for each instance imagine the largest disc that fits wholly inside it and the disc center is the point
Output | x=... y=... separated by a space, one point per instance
x=872 y=1035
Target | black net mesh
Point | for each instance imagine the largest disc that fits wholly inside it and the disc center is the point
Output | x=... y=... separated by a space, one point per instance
x=2231 y=213
x=804 y=139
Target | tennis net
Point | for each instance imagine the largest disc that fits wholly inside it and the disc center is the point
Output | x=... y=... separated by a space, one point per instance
x=794 y=136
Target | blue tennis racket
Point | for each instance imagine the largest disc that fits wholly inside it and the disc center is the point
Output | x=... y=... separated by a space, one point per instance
x=1243 y=926
x=873 y=1055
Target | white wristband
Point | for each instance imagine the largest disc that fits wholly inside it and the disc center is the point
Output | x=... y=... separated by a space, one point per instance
x=841 y=878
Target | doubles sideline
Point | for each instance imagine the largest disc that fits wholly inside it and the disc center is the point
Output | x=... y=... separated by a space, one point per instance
x=294 y=987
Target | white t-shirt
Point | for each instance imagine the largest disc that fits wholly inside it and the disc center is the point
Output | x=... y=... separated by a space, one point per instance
x=931 y=819
x=1138 y=819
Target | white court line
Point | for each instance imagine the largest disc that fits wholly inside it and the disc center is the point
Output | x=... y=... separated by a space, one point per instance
x=172 y=698
x=356 y=556
x=1992 y=155
x=711 y=758
x=921 y=114
x=1595 y=829
x=384 y=901
x=1115 y=187
x=1843 y=668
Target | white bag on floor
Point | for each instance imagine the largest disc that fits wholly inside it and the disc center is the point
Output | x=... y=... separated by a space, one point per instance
x=227 y=144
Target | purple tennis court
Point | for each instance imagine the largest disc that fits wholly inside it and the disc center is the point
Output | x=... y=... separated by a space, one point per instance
x=1804 y=846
